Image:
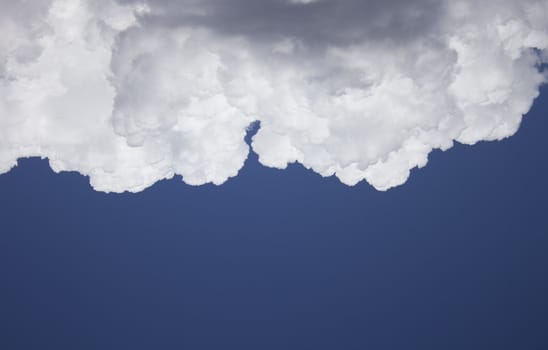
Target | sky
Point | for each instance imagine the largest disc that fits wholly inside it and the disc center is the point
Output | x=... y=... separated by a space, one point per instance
x=298 y=175
x=455 y=259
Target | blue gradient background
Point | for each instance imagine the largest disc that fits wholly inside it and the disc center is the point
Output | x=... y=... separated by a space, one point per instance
x=455 y=259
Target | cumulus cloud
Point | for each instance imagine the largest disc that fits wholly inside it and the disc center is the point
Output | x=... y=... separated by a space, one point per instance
x=131 y=92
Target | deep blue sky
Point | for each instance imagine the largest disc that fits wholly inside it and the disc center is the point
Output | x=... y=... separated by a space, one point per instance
x=455 y=259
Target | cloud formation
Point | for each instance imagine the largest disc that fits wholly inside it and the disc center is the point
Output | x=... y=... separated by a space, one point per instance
x=131 y=92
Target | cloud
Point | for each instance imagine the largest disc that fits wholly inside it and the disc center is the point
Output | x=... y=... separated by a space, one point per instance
x=129 y=93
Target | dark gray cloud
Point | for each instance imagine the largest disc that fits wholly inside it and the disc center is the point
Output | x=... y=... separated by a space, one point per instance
x=315 y=23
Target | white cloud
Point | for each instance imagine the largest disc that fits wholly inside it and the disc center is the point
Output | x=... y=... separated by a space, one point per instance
x=129 y=102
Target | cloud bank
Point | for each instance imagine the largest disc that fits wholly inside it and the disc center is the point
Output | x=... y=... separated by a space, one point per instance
x=133 y=92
